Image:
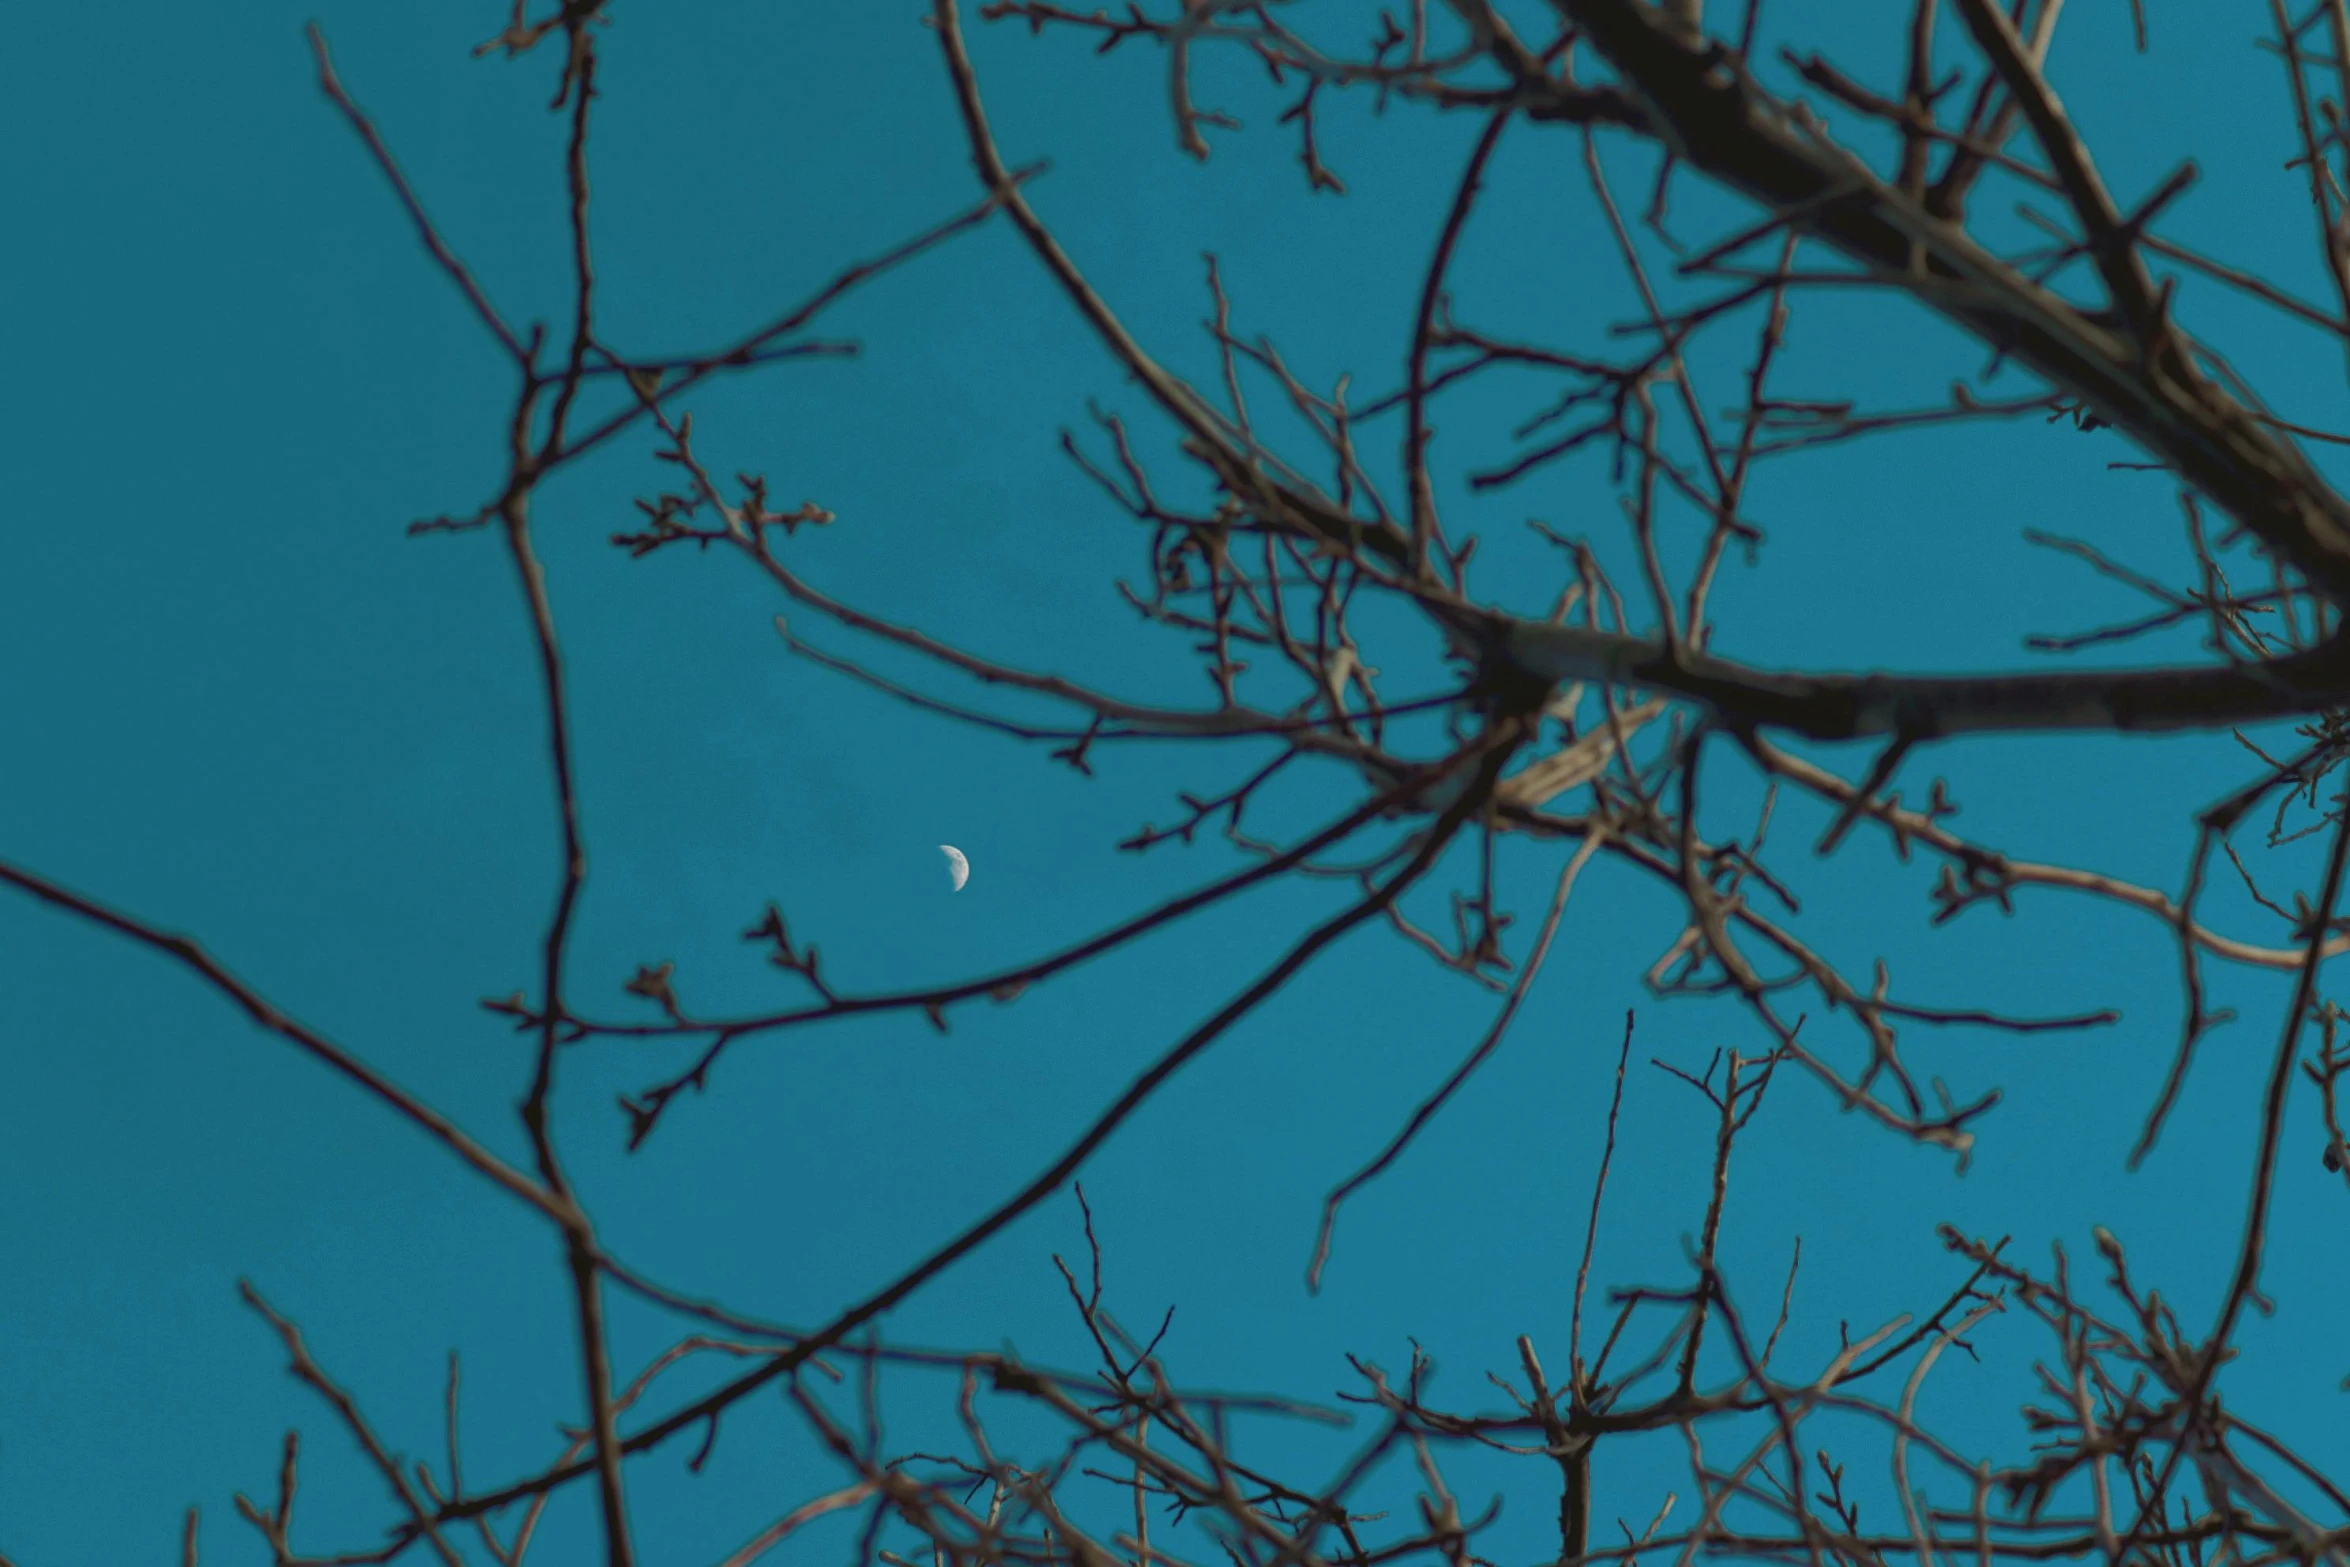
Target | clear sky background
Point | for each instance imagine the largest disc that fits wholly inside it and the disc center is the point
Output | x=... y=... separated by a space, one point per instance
x=237 y=701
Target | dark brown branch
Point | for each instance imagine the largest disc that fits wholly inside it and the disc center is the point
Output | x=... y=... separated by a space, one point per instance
x=264 y=1012
x=442 y=255
x=1488 y=758
x=1718 y=119
x=1851 y=707
x=306 y=1369
x=1477 y=1057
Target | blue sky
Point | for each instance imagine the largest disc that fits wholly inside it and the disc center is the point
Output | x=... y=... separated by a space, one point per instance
x=241 y=703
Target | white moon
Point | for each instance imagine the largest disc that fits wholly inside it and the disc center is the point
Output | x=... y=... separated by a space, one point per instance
x=958 y=867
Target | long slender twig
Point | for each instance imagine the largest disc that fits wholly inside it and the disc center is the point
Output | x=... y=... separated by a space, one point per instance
x=1427 y=1109
x=442 y=255
x=316 y=1045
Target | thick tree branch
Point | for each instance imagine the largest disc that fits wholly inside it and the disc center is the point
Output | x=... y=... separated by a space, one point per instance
x=1716 y=117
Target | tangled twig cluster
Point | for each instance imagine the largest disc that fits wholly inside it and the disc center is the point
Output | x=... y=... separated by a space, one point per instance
x=1599 y=726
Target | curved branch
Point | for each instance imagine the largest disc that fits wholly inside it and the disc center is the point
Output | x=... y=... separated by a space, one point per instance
x=1290 y=501
x=1906 y=824
x=1490 y=754
x=1714 y=116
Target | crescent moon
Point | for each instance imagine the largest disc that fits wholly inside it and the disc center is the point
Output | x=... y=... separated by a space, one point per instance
x=958 y=865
